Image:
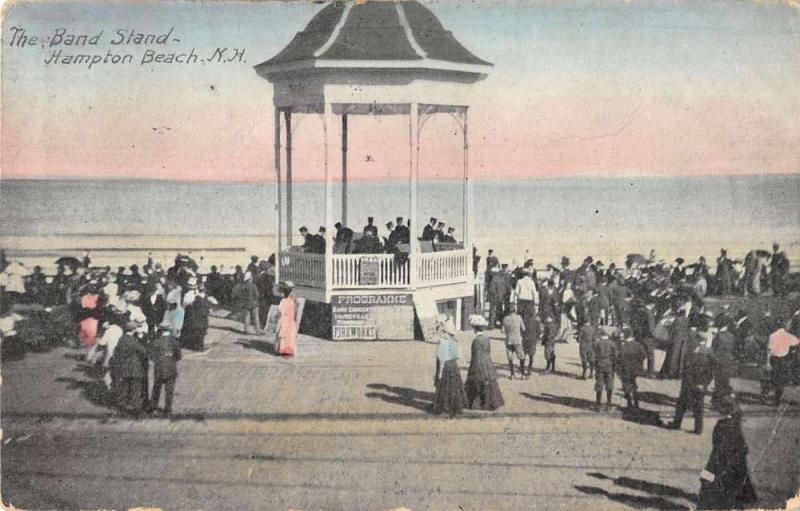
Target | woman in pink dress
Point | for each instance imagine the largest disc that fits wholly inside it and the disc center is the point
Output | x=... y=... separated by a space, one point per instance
x=287 y=323
x=87 y=328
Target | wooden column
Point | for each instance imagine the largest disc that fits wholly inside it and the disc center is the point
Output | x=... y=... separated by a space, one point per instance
x=278 y=202
x=413 y=177
x=467 y=198
x=287 y=115
x=344 y=170
x=328 y=120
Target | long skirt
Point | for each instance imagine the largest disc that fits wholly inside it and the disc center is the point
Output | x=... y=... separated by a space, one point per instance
x=286 y=345
x=488 y=390
x=87 y=332
x=450 y=396
x=719 y=495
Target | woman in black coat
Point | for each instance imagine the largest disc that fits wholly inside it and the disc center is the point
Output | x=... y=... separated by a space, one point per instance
x=725 y=483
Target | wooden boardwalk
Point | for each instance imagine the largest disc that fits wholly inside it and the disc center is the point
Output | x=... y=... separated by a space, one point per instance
x=345 y=426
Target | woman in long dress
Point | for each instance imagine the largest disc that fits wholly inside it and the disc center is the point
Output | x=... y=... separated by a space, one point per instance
x=725 y=483
x=89 y=314
x=287 y=324
x=482 y=376
x=450 y=396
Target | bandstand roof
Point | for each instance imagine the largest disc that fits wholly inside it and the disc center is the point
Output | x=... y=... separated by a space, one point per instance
x=389 y=37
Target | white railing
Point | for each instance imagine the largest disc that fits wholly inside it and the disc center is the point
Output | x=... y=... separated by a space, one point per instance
x=435 y=268
x=353 y=271
x=375 y=271
x=307 y=270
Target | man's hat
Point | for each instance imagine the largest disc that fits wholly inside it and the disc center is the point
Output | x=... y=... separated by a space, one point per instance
x=389 y=224
x=370 y=218
x=321 y=229
x=477 y=320
x=338 y=225
x=304 y=229
x=441 y=224
x=432 y=220
x=679 y=260
x=451 y=229
x=399 y=220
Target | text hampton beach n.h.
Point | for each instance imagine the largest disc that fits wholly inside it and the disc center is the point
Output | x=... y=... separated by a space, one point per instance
x=62 y=47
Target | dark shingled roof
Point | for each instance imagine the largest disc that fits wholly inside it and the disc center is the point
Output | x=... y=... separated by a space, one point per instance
x=375 y=31
x=437 y=42
x=372 y=31
x=305 y=43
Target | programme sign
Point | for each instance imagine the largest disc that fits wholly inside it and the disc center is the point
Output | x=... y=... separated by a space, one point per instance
x=370 y=317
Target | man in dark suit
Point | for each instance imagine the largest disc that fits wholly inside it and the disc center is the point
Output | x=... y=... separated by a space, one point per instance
x=344 y=236
x=165 y=352
x=403 y=234
x=550 y=316
x=779 y=268
x=567 y=274
x=128 y=365
x=491 y=260
x=153 y=306
x=429 y=232
x=370 y=229
x=308 y=240
x=643 y=328
x=495 y=294
x=723 y=347
x=438 y=234
x=392 y=241
x=318 y=243
x=698 y=371
x=449 y=238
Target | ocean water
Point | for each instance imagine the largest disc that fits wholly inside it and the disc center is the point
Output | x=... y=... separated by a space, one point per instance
x=605 y=217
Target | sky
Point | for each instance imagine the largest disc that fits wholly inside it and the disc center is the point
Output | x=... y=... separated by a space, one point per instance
x=578 y=88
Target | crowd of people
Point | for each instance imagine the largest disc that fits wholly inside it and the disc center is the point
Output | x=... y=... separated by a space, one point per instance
x=128 y=320
x=369 y=241
x=618 y=317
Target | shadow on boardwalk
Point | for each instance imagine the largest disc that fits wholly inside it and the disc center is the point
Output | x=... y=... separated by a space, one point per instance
x=421 y=400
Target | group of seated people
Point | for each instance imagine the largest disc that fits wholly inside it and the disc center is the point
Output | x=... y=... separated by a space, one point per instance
x=368 y=240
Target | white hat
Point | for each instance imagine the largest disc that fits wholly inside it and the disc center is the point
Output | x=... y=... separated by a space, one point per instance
x=477 y=320
x=117 y=304
x=449 y=327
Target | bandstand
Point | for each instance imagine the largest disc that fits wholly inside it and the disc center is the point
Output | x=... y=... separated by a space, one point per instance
x=372 y=58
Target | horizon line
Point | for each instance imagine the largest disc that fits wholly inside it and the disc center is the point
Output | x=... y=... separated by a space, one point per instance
x=391 y=180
